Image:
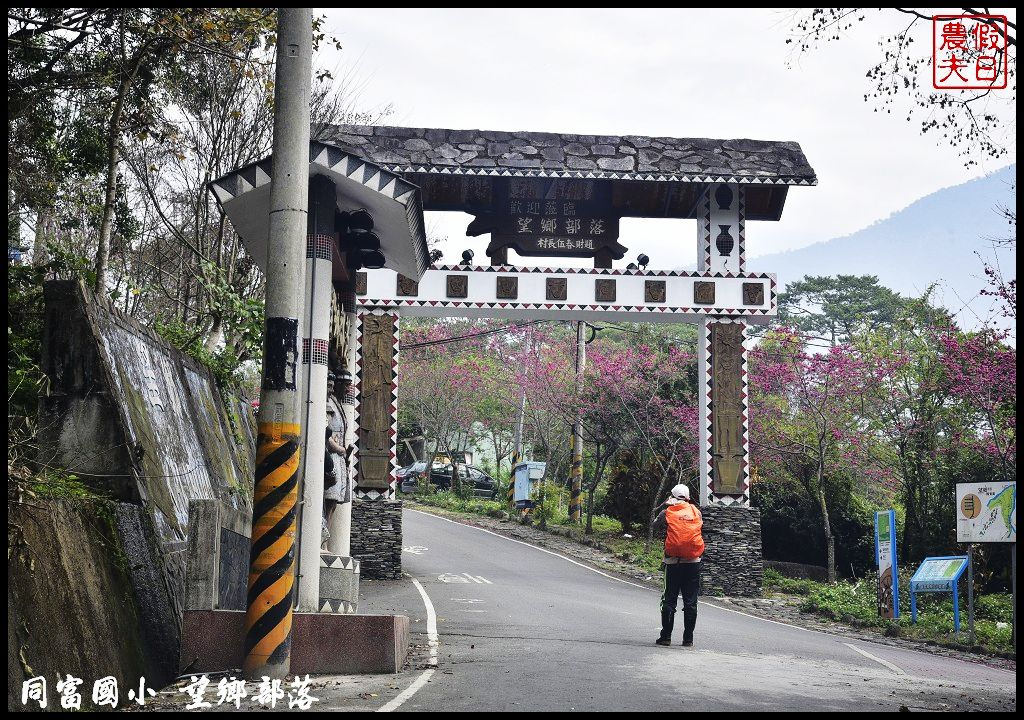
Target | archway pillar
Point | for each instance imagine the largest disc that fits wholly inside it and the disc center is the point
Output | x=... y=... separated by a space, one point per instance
x=733 y=562
x=376 y=509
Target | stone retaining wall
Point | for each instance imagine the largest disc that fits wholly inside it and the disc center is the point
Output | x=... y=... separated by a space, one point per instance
x=377 y=538
x=733 y=563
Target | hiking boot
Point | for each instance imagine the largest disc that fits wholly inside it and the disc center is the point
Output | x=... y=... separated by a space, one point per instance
x=663 y=642
x=687 y=643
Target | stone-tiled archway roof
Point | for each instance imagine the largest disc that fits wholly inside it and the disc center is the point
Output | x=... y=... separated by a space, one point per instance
x=537 y=154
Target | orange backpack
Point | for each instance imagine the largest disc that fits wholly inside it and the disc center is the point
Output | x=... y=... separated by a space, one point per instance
x=683 y=539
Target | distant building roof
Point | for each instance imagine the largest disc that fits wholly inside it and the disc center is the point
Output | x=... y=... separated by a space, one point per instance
x=563 y=155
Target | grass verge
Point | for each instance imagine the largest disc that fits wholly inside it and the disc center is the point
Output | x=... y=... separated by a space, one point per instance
x=855 y=603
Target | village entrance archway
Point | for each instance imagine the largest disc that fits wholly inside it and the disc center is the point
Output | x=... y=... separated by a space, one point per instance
x=550 y=195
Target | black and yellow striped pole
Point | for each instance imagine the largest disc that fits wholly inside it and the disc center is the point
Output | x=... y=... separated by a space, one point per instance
x=268 y=616
x=268 y=619
x=517 y=452
x=576 y=471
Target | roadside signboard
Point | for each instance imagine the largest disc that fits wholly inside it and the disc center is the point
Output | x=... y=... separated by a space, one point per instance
x=885 y=558
x=986 y=512
x=938 y=574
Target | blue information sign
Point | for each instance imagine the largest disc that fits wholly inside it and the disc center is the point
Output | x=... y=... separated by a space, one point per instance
x=885 y=560
x=939 y=574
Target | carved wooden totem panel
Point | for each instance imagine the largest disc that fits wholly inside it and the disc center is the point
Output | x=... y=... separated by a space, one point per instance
x=407 y=287
x=556 y=288
x=654 y=291
x=376 y=386
x=604 y=290
x=728 y=462
x=704 y=293
x=507 y=287
x=457 y=286
x=753 y=294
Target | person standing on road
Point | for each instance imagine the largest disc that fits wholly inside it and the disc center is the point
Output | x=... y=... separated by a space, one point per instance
x=680 y=522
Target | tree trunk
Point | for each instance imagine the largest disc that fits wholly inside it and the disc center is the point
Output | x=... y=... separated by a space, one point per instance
x=655 y=504
x=425 y=483
x=830 y=541
x=216 y=336
x=600 y=464
x=113 y=159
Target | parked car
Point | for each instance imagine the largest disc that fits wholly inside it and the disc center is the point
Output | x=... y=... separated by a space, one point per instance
x=441 y=479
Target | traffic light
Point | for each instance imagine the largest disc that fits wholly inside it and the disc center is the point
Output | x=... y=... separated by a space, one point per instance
x=357 y=241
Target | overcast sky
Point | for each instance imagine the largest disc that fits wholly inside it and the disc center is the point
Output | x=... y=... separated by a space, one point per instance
x=679 y=73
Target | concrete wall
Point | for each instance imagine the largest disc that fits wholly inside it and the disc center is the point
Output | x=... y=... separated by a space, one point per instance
x=72 y=606
x=136 y=418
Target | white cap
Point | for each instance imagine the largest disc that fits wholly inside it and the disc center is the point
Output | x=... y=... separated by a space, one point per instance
x=681 y=492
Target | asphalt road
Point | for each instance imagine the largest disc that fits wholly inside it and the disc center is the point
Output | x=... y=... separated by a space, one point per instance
x=520 y=628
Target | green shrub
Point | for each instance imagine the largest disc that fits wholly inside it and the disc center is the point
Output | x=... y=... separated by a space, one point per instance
x=773 y=580
x=997 y=607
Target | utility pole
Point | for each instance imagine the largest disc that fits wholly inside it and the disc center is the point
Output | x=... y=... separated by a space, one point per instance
x=517 y=450
x=268 y=617
x=576 y=473
x=517 y=440
x=316 y=321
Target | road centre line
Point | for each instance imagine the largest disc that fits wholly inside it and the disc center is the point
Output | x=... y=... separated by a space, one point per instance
x=868 y=655
x=432 y=641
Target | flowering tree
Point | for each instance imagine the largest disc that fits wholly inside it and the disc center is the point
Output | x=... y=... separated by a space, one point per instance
x=645 y=393
x=441 y=383
x=803 y=415
x=981 y=374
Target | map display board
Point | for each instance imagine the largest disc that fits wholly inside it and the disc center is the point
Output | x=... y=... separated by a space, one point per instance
x=938 y=574
x=986 y=512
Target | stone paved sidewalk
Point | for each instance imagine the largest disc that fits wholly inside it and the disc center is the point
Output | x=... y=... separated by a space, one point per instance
x=778 y=607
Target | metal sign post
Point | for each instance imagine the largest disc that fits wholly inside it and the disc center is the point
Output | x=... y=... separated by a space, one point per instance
x=970 y=592
x=987 y=512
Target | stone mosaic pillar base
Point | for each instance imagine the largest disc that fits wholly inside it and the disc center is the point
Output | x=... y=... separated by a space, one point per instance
x=732 y=564
x=377 y=538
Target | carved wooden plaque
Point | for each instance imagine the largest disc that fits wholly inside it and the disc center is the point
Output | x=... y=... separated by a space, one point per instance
x=704 y=293
x=753 y=294
x=377 y=379
x=556 y=288
x=508 y=287
x=728 y=461
x=457 y=286
x=654 y=291
x=604 y=290
x=407 y=287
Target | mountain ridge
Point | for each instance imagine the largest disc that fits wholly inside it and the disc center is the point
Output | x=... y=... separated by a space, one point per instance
x=935 y=239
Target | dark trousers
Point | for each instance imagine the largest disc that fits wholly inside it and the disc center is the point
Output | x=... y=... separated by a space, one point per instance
x=680 y=578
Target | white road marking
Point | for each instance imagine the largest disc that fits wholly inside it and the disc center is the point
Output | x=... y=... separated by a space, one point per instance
x=540 y=549
x=650 y=589
x=479 y=579
x=432 y=641
x=415 y=549
x=612 y=577
x=877 y=659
